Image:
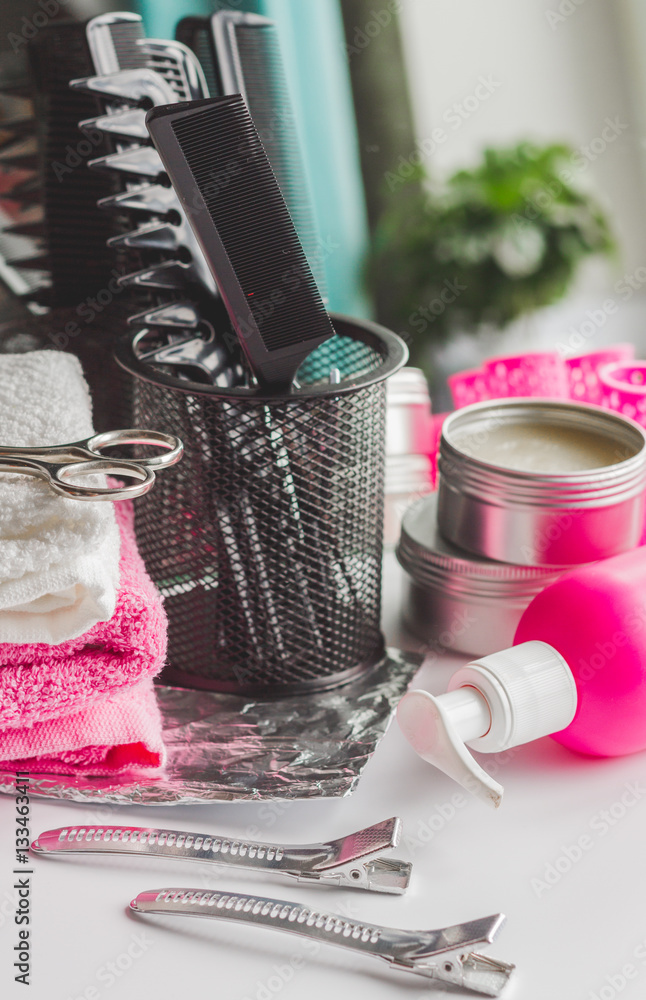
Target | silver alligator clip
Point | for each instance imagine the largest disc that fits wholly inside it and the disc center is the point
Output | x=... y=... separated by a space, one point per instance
x=445 y=955
x=349 y=861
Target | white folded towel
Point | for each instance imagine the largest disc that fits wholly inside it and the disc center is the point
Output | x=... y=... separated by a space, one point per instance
x=59 y=557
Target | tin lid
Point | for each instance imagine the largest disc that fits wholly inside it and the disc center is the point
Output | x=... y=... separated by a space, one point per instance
x=433 y=561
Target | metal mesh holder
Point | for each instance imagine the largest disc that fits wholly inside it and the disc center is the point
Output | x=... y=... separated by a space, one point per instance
x=266 y=540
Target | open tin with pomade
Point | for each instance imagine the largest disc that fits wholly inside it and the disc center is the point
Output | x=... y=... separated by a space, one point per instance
x=540 y=482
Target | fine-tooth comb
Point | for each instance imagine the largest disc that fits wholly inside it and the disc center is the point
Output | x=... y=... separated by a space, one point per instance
x=242 y=53
x=444 y=955
x=348 y=861
x=217 y=164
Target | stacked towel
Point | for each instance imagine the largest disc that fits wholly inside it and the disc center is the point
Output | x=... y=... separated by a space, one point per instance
x=82 y=629
x=87 y=705
x=59 y=557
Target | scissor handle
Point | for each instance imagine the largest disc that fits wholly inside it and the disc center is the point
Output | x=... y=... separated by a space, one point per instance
x=171 y=448
x=61 y=479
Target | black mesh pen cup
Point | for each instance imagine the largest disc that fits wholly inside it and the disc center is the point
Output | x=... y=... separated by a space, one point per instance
x=266 y=539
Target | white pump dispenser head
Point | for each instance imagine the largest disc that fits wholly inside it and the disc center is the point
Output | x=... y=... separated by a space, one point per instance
x=492 y=704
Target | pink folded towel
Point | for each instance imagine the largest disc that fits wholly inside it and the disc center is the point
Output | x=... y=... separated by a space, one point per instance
x=121 y=733
x=95 y=689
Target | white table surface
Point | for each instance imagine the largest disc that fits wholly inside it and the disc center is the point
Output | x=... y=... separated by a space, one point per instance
x=583 y=936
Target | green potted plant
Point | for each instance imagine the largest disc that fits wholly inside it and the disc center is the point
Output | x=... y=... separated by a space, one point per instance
x=491 y=244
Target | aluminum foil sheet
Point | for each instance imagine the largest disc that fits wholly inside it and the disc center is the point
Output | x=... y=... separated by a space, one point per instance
x=223 y=748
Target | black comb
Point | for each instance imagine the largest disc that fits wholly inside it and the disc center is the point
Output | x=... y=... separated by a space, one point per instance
x=196 y=33
x=219 y=168
x=244 y=51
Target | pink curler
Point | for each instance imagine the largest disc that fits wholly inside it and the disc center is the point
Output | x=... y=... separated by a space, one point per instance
x=469 y=386
x=541 y=373
x=583 y=371
x=623 y=388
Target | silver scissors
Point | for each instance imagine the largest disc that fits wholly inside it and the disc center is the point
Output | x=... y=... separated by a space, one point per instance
x=60 y=465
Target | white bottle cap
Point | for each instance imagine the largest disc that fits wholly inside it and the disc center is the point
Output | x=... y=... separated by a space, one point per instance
x=492 y=704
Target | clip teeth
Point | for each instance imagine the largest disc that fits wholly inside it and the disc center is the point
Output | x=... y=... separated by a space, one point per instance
x=184 y=315
x=141 y=161
x=152 y=237
x=128 y=124
x=154 y=199
x=129 y=85
x=170 y=275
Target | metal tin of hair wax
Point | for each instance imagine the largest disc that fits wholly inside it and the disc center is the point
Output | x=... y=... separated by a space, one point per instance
x=541 y=482
x=409 y=441
x=454 y=600
x=409 y=424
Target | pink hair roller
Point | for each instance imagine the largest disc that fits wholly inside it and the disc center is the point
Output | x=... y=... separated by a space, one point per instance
x=623 y=388
x=541 y=373
x=469 y=386
x=583 y=371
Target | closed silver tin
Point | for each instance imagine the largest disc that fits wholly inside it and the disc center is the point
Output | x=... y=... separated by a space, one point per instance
x=409 y=440
x=544 y=517
x=457 y=601
x=409 y=424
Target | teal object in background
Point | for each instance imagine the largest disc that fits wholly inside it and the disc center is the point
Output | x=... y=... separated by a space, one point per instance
x=313 y=43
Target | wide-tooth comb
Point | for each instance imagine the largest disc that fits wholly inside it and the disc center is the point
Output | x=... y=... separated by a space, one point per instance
x=217 y=164
x=178 y=65
x=113 y=42
x=445 y=954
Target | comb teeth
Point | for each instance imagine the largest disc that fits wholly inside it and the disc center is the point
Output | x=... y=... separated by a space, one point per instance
x=126 y=37
x=113 y=41
x=196 y=33
x=262 y=81
x=246 y=232
x=178 y=66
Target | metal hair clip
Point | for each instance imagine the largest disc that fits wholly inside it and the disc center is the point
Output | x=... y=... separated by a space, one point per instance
x=349 y=861
x=444 y=955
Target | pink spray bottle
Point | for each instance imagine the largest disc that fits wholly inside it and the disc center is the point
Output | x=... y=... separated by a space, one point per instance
x=577 y=671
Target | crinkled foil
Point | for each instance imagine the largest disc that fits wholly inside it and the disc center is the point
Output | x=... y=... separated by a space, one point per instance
x=223 y=748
